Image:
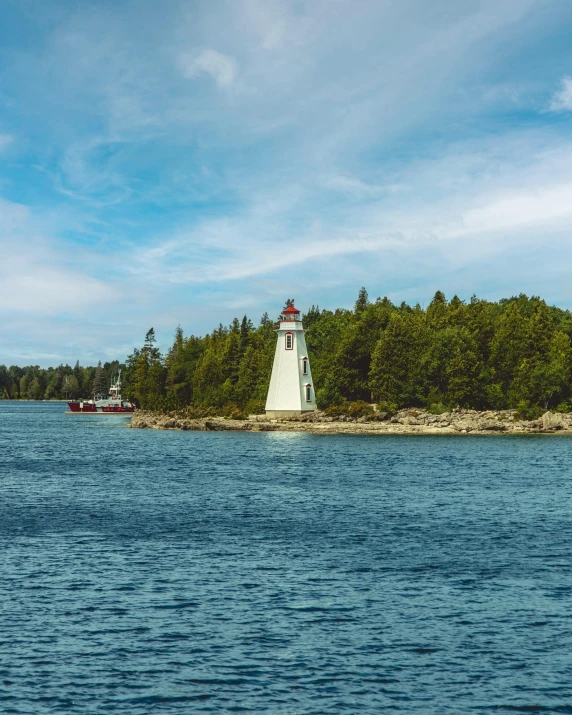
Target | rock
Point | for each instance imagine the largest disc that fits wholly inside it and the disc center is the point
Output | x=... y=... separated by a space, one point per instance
x=410 y=420
x=490 y=425
x=464 y=426
x=553 y=421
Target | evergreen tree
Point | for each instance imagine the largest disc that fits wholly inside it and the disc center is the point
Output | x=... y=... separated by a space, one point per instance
x=396 y=361
x=250 y=388
x=208 y=378
x=24 y=383
x=508 y=346
x=15 y=373
x=175 y=375
x=362 y=301
x=231 y=357
x=34 y=390
x=311 y=316
x=437 y=311
x=246 y=328
x=100 y=384
x=289 y=303
x=464 y=370
x=149 y=374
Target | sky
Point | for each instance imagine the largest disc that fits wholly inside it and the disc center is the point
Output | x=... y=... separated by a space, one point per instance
x=185 y=162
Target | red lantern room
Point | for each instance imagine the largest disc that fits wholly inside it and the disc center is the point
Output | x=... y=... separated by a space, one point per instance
x=291 y=313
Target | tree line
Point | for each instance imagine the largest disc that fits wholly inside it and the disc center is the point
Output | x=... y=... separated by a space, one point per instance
x=55 y=383
x=514 y=353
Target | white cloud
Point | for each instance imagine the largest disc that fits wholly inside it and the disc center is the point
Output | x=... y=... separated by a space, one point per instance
x=542 y=206
x=451 y=204
x=30 y=286
x=36 y=276
x=562 y=100
x=222 y=68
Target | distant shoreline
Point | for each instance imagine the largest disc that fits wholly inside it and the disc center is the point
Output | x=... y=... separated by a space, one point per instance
x=411 y=422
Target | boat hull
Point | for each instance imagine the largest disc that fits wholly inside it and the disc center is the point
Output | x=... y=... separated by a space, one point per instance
x=125 y=413
x=80 y=408
x=117 y=410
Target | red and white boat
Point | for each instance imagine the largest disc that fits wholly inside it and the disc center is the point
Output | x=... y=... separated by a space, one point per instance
x=107 y=403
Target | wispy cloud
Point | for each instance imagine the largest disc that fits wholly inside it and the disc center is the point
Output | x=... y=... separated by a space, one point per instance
x=221 y=68
x=562 y=99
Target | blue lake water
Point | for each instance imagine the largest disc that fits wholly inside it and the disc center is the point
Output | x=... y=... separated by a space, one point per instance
x=179 y=572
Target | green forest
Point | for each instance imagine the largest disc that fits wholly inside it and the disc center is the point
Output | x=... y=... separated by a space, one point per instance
x=514 y=353
x=55 y=383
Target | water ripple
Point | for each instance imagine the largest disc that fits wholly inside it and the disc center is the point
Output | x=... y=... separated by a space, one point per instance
x=173 y=572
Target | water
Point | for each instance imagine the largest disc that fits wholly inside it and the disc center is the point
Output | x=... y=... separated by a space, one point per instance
x=178 y=572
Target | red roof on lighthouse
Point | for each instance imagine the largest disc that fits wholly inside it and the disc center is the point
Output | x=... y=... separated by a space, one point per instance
x=290 y=310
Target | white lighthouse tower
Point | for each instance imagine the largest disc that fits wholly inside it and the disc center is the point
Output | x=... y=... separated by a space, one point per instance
x=291 y=390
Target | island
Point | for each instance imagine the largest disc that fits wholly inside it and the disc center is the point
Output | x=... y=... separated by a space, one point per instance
x=459 y=421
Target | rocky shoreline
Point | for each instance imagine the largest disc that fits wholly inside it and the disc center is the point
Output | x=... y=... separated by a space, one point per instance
x=409 y=421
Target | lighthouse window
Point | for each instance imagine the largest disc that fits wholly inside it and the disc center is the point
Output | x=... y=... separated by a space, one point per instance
x=289 y=341
x=308 y=393
x=305 y=366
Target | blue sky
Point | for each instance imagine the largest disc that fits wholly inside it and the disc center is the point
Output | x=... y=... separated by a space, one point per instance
x=176 y=162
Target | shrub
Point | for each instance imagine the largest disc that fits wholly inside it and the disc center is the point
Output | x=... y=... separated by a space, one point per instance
x=353 y=410
x=360 y=408
x=195 y=413
x=328 y=396
x=337 y=410
x=378 y=417
x=388 y=407
x=495 y=397
x=255 y=407
x=437 y=408
x=527 y=412
x=233 y=412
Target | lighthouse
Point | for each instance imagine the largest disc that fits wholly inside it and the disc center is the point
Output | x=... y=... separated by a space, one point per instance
x=291 y=390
